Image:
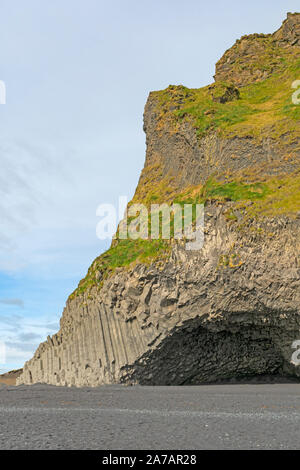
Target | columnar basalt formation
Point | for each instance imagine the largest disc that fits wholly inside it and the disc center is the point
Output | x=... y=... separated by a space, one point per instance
x=232 y=309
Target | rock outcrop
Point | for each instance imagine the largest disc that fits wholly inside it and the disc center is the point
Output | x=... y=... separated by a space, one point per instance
x=231 y=309
x=255 y=57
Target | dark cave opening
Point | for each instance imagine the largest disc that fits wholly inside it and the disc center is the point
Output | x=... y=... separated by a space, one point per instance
x=193 y=355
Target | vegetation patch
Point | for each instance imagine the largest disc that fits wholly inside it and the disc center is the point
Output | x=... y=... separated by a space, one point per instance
x=231 y=260
x=230 y=191
x=272 y=197
x=123 y=254
x=265 y=106
x=283 y=198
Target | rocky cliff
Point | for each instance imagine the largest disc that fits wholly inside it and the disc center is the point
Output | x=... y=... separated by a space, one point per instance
x=152 y=312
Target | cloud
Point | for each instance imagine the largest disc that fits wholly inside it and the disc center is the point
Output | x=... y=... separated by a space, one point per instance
x=21 y=337
x=20 y=347
x=17 y=354
x=45 y=209
x=52 y=326
x=25 y=337
x=12 y=321
x=15 y=302
x=21 y=329
x=44 y=326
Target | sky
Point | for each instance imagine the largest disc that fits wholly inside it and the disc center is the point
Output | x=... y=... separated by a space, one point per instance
x=77 y=76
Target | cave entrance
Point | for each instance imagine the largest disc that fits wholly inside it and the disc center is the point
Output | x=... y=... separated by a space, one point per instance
x=193 y=355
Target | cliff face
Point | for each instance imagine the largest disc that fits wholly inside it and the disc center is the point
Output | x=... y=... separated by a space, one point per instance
x=151 y=312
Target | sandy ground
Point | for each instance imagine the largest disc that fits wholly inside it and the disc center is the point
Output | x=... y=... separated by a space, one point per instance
x=10 y=377
x=230 y=416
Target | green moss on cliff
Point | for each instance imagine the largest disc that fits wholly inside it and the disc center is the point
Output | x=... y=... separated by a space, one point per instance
x=283 y=198
x=234 y=190
x=123 y=254
x=271 y=197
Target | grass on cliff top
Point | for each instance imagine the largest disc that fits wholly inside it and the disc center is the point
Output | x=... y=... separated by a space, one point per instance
x=263 y=108
x=123 y=254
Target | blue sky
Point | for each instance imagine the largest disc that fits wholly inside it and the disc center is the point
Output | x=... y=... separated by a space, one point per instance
x=77 y=76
